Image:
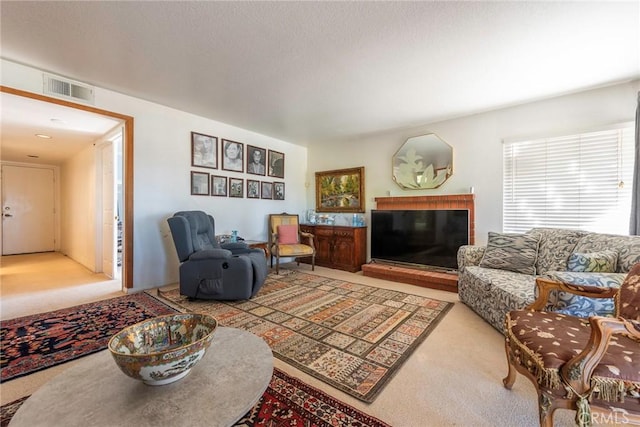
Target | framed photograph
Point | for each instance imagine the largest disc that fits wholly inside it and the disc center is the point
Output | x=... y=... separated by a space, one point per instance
x=256 y=160
x=236 y=187
x=199 y=183
x=204 y=150
x=340 y=190
x=253 y=189
x=278 y=191
x=276 y=164
x=232 y=156
x=218 y=185
x=266 y=190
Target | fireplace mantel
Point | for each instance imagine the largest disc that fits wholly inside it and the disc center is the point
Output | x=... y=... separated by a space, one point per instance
x=421 y=277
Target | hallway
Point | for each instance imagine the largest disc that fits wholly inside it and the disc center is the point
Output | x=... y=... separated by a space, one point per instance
x=47 y=281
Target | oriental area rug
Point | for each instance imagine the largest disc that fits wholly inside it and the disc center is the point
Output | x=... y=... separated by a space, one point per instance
x=33 y=343
x=353 y=337
x=286 y=402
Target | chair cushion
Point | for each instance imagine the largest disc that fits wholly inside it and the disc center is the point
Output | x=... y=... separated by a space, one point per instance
x=297 y=250
x=600 y=262
x=511 y=251
x=545 y=341
x=288 y=234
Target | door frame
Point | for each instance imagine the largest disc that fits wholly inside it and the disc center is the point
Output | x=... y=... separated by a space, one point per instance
x=127 y=173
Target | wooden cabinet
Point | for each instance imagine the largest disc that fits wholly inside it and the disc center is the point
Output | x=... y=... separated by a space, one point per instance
x=339 y=247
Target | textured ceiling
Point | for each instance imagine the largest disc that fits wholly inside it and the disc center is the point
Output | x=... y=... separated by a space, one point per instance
x=310 y=72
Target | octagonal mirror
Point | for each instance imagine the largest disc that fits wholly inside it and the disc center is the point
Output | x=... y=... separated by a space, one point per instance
x=423 y=162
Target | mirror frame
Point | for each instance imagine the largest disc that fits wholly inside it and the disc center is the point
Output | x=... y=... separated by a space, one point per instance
x=423 y=162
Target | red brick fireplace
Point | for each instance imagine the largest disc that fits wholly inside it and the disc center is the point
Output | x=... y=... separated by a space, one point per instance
x=418 y=276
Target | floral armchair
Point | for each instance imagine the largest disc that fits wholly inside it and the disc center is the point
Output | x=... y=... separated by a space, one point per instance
x=591 y=365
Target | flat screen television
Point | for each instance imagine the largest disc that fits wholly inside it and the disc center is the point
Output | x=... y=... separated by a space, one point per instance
x=419 y=237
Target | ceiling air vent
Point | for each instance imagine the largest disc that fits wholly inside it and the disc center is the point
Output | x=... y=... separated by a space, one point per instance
x=67 y=89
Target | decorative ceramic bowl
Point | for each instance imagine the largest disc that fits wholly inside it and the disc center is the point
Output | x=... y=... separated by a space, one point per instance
x=163 y=349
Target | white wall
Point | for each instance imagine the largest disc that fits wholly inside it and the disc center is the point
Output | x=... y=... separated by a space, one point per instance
x=77 y=208
x=477 y=146
x=162 y=166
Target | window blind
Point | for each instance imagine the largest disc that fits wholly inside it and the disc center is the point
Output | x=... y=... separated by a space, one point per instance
x=580 y=181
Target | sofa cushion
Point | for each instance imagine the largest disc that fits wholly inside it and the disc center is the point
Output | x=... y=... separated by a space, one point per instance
x=512 y=252
x=628 y=248
x=579 y=306
x=600 y=262
x=556 y=244
x=493 y=293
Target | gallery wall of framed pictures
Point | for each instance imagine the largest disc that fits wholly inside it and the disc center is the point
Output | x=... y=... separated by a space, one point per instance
x=225 y=155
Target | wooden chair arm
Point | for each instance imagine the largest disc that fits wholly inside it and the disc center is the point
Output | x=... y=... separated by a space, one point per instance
x=308 y=236
x=578 y=371
x=545 y=286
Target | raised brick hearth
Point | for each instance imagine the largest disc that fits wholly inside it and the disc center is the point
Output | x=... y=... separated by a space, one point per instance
x=419 y=276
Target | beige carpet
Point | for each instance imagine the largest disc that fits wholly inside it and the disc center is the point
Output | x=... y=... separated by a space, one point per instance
x=454 y=378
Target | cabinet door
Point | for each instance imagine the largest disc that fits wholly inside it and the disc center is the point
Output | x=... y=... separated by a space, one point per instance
x=324 y=243
x=342 y=251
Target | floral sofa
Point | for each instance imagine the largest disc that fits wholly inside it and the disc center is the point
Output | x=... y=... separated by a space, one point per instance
x=500 y=277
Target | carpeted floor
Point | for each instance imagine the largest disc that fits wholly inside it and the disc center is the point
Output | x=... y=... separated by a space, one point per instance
x=351 y=336
x=32 y=343
x=286 y=402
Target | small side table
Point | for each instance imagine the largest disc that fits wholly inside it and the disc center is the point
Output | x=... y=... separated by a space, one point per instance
x=259 y=245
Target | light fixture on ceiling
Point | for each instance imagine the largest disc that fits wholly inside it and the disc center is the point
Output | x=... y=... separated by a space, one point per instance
x=41 y=135
x=58 y=121
x=33 y=156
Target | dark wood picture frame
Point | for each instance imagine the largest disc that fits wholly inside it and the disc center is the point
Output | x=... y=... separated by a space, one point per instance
x=199 y=183
x=266 y=190
x=340 y=190
x=253 y=189
x=236 y=187
x=218 y=185
x=276 y=164
x=204 y=151
x=259 y=167
x=278 y=191
x=228 y=163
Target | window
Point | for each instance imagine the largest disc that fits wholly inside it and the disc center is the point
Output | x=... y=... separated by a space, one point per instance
x=576 y=181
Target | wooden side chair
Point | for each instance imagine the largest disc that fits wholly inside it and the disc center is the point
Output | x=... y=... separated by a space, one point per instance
x=286 y=240
x=591 y=365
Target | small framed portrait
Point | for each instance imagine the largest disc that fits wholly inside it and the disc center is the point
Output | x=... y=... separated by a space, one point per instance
x=253 y=189
x=204 y=150
x=256 y=160
x=266 y=190
x=278 y=191
x=232 y=156
x=276 y=164
x=218 y=185
x=236 y=187
x=199 y=183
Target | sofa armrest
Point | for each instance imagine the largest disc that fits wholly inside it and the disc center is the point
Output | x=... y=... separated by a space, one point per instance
x=469 y=255
x=546 y=286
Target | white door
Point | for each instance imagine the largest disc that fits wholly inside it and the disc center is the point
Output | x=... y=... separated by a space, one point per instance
x=108 y=212
x=28 y=209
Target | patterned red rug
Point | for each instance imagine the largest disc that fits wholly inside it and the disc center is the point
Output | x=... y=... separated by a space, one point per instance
x=33 y=343
x=351 y=336
x=286 y=402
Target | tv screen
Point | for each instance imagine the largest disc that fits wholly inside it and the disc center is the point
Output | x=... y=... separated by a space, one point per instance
x=422 y=237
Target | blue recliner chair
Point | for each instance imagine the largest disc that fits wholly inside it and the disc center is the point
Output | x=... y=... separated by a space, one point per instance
x=208 y=270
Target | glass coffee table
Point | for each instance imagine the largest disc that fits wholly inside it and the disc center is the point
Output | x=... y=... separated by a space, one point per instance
x=218 y=391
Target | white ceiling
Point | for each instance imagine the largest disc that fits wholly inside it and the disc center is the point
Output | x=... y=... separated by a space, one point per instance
x=309 y=72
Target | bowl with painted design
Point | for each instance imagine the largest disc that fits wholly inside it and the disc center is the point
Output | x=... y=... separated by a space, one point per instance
x=163 y=349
